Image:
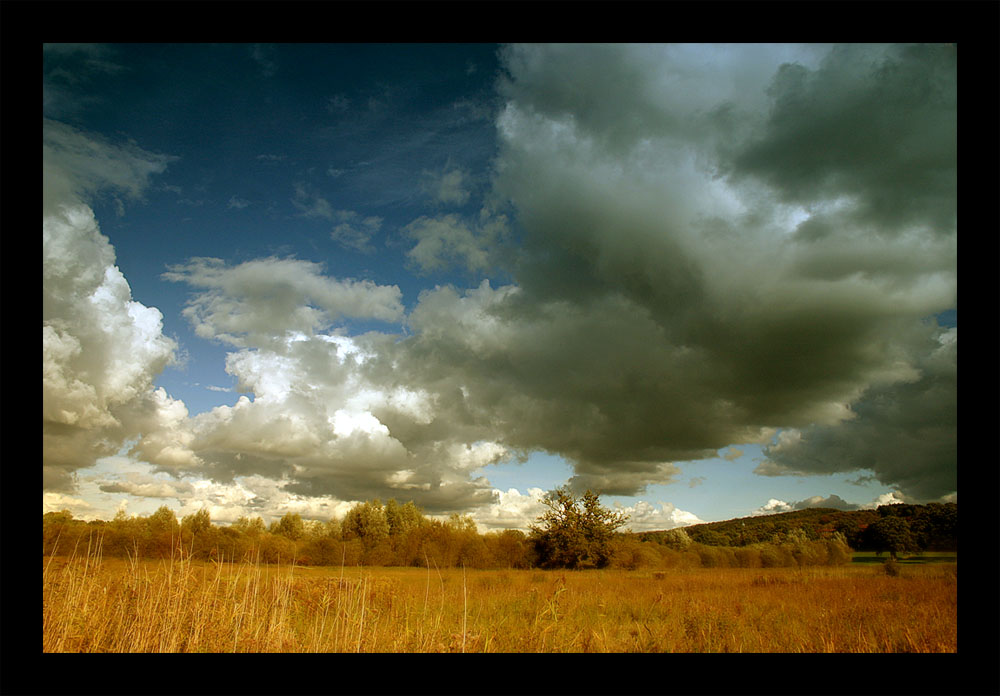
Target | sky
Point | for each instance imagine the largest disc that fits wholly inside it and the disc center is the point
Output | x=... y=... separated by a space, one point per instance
x=705 y=281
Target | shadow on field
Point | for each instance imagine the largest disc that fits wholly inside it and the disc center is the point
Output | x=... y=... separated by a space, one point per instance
x=912 y=560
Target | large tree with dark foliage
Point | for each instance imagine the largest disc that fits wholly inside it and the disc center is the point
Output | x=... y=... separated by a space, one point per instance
x=574 y=532
x=890 y=533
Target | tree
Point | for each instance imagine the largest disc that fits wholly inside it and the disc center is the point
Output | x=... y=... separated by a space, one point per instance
x=508 y=548
x=575 y=532
x=56 y=531
x=711 y=537
x=197 y=522
x=198 y=534
x=366 y=521
x=290 y=526
x=676 y=539
x=402 y=518
x=129 y=535
x=465 y=538
x=890 y=533
x=163 y=521
x=164 y=530
x=251 y=526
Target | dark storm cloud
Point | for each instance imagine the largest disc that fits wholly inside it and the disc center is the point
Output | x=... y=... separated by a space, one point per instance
x=874 y=124
x=663 y=311
x=905 y=432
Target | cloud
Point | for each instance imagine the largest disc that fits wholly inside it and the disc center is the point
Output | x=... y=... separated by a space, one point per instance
x=79 y=508
x=665 y=304
x=775 y=506
x=312 y=205
x=905 y=432
x=338 y=103
x=76 y=166
x=892 y=498
x=259 y=301
x=355 y=231
x=148 y=488
x=448 y=187
x=644 y=517
x=101 y=350
x=264 y=55
x=873 y=124
x=511 y=510
x=67 y=69
x=237 y=203
x=351 y=229
x=669 y=291
x=450 y=240
x=771 y=507
x=314 y=424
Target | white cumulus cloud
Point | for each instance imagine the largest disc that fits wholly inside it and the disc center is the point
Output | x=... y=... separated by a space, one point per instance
x=101 y=350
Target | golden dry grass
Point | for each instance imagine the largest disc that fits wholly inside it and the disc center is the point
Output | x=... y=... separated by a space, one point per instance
x=109 y=605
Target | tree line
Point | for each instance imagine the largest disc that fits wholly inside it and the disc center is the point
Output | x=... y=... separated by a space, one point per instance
x=895 y=528
x=573 y=532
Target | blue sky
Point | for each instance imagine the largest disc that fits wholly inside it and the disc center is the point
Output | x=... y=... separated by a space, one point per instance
x=708 y=281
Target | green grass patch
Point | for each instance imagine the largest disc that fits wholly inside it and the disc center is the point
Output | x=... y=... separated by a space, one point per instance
x=907 y=559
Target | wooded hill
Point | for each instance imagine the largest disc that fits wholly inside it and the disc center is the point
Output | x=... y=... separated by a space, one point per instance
x=934 y=527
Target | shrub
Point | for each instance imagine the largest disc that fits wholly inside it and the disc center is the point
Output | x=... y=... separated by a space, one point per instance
x=378 y=555
x=276 y=549
x=772 y=556
x=325 y=551
x=708 y=556
x=670 y=558
x=630 y=554
x=747 y=557
x=837 y=550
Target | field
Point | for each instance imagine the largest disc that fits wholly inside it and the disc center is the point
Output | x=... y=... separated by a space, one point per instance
x=113 y=605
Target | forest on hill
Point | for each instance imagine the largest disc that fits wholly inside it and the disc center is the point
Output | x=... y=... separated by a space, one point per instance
x=930 y=527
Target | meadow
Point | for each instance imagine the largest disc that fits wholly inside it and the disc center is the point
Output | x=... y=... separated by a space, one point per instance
x=97 y=604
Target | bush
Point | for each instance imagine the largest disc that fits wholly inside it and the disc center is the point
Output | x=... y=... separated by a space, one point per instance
x=378 y=555
x=60 y=532
x=747 y=557
x=837 y=550
x=276 y=549
x=772 y=556
x=629 y=553
x=670 y=558
x=708 y=556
